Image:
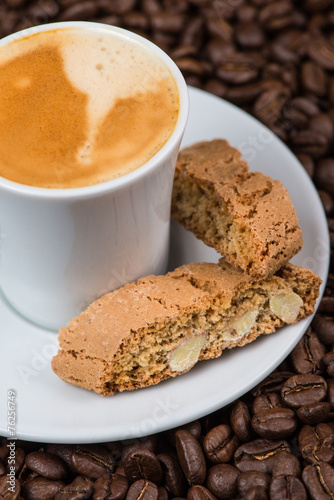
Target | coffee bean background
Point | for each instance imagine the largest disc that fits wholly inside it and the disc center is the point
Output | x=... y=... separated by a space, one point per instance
x=275 y=59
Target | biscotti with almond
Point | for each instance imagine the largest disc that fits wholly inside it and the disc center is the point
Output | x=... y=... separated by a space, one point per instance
x=246 y=216
x=160 y=326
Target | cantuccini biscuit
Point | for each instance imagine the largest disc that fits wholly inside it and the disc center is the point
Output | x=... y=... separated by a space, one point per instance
x=246 y=216
x=160 y=326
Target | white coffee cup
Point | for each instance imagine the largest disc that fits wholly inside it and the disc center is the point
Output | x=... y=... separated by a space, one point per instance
x=62 y=248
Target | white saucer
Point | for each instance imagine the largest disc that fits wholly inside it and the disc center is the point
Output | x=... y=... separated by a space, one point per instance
x=48 y=409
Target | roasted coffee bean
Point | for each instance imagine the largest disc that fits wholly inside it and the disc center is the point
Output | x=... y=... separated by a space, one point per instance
x=275 y=74
x=275 y=80
x=63 y=451
x=40 y=488
x=241 y=421
x=25 y=474
x=121 y=6
x=222 y=481
x=249 y=479
x=330 y=384
x=314 y=78
x=220 y=28
x=237 y=68
x=9 y=21
x=299 y=111
x=249 y=34
x=115 y=450
x=303 y=389
x=272 y=383
x=314 y=413
x=326 y=305
x=162 y=493
x=167 y=22
x=276 y=15
x=275 y=423
x=191 y=457
x=308 y=353
x=43 y=11
x=256 y=493
x=322 y=53
x=286 y=464
x=143 y=490
x=309 y=142
x=151 y=6
x=317 y=443
x=16 y=3
x=195 y=429
x=146 y=443
x=296 y=119
x=183 y=51
x=92 y=461
x=324 y=177
x=9 y=490
x=330 y=285
x=324 y=326
x=4 y=452
x=199 y=492
x=178 y=6
x=258 y=455
x=143 y=464
x=246 y=13
x=136 y=21
x=111 y=487
x=174 y=478
x=193 y=80
x=46 y=465
x=330 y=92
x=266 y=402
x=317 y=25
x=317 y=5
x=328 y=360
x=189 y=65
x=217 y=50
x=286 y=488
x=80 y=488
x=64 y=4
x=282 y=53
x=323 y=124
x=164 y=40
x=192 y=34
x=120 y=470
x=319 y=481
x=82 y=11
x=243 y=94
x=220 y=444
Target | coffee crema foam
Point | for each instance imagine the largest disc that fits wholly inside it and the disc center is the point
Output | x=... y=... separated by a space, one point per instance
x=79 y=107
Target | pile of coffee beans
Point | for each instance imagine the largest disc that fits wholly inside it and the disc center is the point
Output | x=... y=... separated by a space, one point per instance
x=275 y=59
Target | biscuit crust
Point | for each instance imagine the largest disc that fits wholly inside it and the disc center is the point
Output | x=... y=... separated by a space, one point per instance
x=124 y=340
x=246 y=216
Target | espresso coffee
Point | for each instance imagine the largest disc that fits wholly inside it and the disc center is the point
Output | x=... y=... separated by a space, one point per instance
x=81 y=107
